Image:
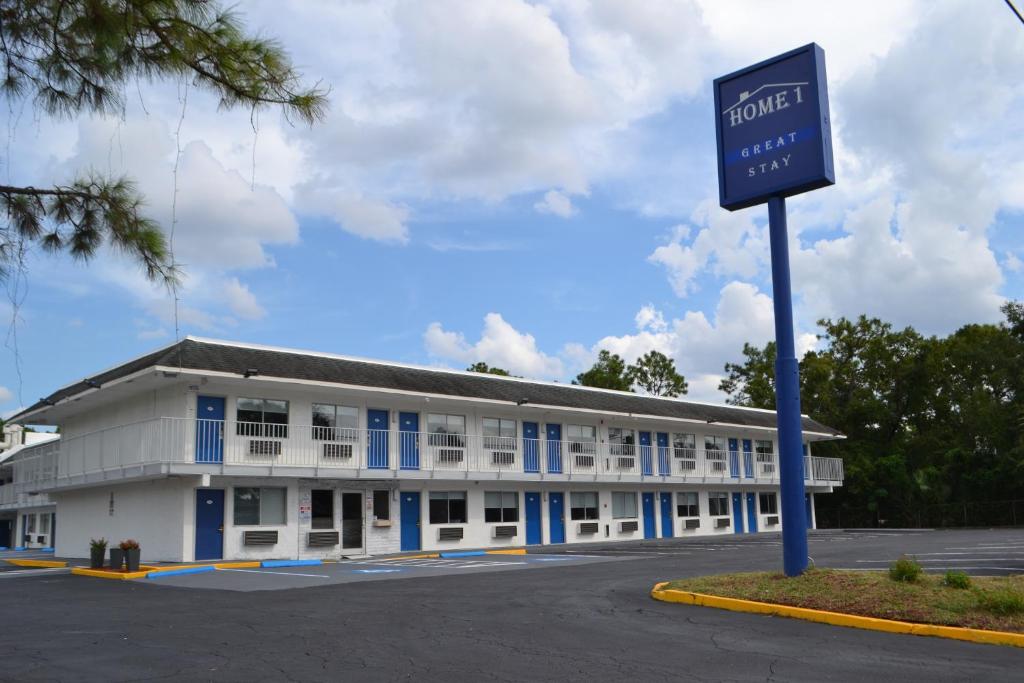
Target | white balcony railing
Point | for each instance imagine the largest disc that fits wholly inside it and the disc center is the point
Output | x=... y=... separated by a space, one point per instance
x=231 y=445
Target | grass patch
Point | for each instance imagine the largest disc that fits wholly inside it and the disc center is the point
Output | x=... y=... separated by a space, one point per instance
x=994 y=603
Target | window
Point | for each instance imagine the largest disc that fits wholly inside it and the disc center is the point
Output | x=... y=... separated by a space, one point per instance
x=381 y=504
x=260 y=506
x=447 y=430
x=262 y=417
x=322 y=508
x=687 y=504
x=624 y=505
x=583 y=505
x=718 y=504
x=716 y=443
x=684 y=445
x=499 y=434
x=581 y=438
x=335 y=423
x=769 y=504
x=447 y=507
x=501 y=506
x=621 y=441
x=31 y=523
x=765 y=450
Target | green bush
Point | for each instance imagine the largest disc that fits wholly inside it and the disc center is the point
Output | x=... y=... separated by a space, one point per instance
x=905 y=569
x=1001 y=601
x=955 y=579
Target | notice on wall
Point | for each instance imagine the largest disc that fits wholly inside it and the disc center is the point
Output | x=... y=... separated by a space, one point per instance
x=305 y=506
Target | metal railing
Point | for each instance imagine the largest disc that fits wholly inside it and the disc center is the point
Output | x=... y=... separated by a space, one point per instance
x=225 y=444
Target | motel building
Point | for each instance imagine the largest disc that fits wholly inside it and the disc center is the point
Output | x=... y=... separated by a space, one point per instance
x=208 y=449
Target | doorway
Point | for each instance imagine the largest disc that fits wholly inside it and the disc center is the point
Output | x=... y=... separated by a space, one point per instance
x=351 y=520
x=322 y=508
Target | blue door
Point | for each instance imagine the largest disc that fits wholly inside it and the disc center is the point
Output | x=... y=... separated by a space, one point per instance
x=209 y=524
x=410 y=512
x=209 y=429
x=554 y=449
x=531 y=452
x=752 y=513
x=734 y=458
x=748 y=459
x=409 y=436
x=666 y=514
x=646 y=461
x=648 y=501
x=377 y=439
x=556 y=511
x=809 y=508
x=533 y=518
x=737 y=512
x=663 y=461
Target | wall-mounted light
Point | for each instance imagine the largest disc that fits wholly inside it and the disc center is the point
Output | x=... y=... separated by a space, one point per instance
x=92 y=383
x=522 y=401
x=250 y=372
x=46 y=402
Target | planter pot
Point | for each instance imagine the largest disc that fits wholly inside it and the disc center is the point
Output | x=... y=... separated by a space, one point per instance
x=96 y=557
x=116 y=559
x=132 y=559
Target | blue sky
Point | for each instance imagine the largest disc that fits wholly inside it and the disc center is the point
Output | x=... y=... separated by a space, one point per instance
x=541 y=188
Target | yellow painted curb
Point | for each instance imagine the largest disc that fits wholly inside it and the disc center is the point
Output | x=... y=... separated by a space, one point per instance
x=37 y=563
x=510 y=551
x=237 y=565
x=101 y=574
x=423 y=556
x=973 y=635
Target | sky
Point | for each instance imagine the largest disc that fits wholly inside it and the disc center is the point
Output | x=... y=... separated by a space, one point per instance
x=525 y=184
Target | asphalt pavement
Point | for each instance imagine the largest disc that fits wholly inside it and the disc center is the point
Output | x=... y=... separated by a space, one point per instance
x=591 y=621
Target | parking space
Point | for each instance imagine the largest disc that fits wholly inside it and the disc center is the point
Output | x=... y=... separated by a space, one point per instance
x=351 y=571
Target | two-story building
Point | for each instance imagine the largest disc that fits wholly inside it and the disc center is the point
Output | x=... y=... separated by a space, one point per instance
x=27 y=518
x=208 y=449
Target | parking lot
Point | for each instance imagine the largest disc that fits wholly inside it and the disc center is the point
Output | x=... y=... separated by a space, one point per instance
x=353 y=571
x=587 y=617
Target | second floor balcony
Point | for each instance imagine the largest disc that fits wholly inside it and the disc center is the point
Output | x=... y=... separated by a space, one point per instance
x=184 y=445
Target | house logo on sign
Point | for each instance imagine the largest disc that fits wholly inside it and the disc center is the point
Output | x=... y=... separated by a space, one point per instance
x=775 y=100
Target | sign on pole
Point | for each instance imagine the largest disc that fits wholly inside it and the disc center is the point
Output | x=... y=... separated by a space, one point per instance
x=775 y=141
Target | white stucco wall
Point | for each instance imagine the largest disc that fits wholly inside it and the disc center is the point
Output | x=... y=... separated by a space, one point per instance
x=151 y=512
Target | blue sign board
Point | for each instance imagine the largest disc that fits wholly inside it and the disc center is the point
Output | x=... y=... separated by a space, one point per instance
x=772 y=126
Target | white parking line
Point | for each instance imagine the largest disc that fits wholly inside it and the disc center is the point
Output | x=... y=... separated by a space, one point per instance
x=24 y=572
x=260 y=571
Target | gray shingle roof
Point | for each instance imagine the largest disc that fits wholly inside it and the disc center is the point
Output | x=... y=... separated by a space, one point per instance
x=199 y=354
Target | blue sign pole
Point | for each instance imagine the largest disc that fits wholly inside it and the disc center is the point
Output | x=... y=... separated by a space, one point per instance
x=774 y=141
x=787 y=398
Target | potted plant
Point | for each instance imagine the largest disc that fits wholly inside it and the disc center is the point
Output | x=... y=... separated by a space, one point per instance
x=97 y=551
x=131 y=550
x=116 y=558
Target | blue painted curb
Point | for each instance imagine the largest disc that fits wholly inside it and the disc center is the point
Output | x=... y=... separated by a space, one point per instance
x=176 y=572
x=19 y=547
x=3 y=547
x=466 y=553
x=46 y=550
x=290 y=563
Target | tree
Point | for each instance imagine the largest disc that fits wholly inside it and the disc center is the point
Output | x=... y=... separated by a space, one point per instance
x=75 y=57
x=483 y=367
x=609 y=372
x=751 y=383
x=656 y=374
x=1014 y=312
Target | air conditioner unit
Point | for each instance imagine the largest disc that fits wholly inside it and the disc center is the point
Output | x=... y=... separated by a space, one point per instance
x=450 y=533
x=691 y=524
x=450 y=455
x=503 y=458
x=717 y=466
x=588 y=528
x=337 y=450
x=629 y=526
x=259 y=537
x=505 y=531
x=722 y=523
x=687 y=465
x=625 y=463
x=258 y=447
x=771 y=520
x=585 y=461
x=322 y=539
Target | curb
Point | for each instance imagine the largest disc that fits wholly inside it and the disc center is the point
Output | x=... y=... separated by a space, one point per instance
x=101 y=574
x=972 y=635
x=290 y=563
x=178 y=572
x=37 y=563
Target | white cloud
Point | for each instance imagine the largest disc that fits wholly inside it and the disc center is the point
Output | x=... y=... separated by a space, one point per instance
x=369 y=218
x=5 y=394
x=1013 y=263
x=242 y=301
x=499 y=345
x=556 y=203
